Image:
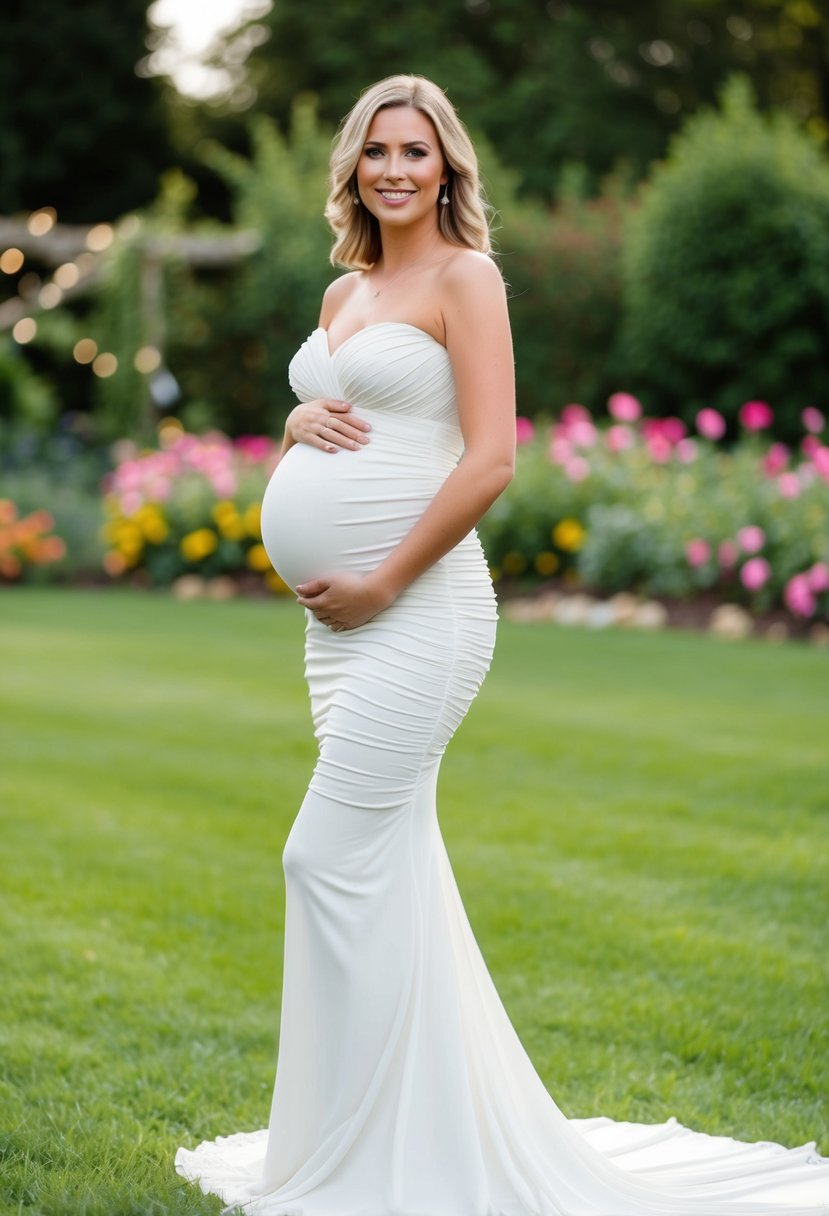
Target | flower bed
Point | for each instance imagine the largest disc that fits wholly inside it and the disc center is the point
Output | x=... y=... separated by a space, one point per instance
x=642 y=505
x=189 y=508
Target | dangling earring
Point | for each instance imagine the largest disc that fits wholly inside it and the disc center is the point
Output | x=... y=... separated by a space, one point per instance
x=355 y=199
x=445 y=199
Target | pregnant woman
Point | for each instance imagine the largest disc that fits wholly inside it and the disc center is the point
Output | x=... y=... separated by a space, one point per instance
x=401 y=1087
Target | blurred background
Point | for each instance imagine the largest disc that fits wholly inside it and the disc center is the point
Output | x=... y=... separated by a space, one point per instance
x=661 y=188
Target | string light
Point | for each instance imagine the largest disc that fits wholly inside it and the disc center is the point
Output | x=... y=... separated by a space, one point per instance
x=85 y=350
x=105 y=365
x=24 y=330
x=67 y=275
x=11 y=260
x=42 y=221
x=49 y=296
x=99 y=237
x=147 y=360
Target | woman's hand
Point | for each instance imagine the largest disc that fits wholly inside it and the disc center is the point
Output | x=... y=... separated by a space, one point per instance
x=325 y=423
x=344 y=601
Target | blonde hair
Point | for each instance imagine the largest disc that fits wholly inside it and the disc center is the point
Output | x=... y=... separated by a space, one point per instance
x=464 y=221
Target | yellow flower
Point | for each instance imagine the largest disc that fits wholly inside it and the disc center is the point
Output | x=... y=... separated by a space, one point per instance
x=223 y=509
x=568 y=535
x=232 y=526
x=514 y=563
x=276 y=584
x=129 y=539
x=257 y=558
x=251 y=519
x=196 y=545
x=546 y=562
x=156 y=530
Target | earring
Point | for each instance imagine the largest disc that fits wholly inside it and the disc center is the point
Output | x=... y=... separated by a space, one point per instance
x=355 y=199
x=445 y=199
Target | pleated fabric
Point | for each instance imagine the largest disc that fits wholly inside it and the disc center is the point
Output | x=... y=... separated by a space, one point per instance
x=401 y=1086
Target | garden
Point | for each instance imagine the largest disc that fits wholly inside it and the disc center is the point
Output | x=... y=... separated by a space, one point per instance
x=635 y=810
x=668 y=491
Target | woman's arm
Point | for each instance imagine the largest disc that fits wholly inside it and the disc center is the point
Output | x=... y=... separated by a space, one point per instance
x=479 y=343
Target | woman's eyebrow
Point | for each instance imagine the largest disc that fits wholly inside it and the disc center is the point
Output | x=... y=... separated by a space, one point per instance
x=409 y=144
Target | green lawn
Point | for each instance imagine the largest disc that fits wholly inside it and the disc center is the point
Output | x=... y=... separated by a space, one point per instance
x=638 y=824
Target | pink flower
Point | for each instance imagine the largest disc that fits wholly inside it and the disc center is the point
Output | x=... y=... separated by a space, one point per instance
x=727 y=554
x=751 y=539
x=624 y=407
x=710 y=424
x=755 y=573
x=756 y=416
x=788 y=484
x=575 y=413
x=560 y=450
x=670 y=429
x=813 y=419
x=809 y=445
x=582 y=433
x=674 y=429
x=818 y=577
x=697 y=552
x=775 y=459
x=659 y=447
x=524 y=430
x=798 y=596
x=577 y=468
x=618 y=438
x=254 y=447
x=686 y=450
x=820 y=459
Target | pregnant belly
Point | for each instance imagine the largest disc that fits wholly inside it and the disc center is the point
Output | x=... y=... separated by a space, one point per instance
x=325 y=512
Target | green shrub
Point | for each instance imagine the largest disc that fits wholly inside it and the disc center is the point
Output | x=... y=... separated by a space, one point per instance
x=566 y=301
x=726 y=269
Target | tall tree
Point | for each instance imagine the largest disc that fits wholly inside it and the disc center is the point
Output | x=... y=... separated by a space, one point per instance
x=549 y=83
x=79 y=129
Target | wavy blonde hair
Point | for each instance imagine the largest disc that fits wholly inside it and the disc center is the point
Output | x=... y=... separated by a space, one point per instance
x=464 y=221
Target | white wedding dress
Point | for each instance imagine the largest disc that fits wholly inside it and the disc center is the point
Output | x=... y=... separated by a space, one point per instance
x=401 y=1087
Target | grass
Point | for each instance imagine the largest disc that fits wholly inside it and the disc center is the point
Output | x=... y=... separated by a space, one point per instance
x=638 y=824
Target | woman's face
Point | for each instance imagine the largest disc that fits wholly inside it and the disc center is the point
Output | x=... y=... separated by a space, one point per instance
x=401 y=167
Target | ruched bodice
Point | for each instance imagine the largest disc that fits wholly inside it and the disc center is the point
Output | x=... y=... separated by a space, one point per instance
x=390 y=367
x=325 y=512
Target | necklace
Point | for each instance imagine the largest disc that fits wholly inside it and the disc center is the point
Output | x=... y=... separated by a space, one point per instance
x=406 y=270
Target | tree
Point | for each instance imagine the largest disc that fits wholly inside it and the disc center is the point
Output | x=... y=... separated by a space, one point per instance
x=549 y=83
x=79 y=130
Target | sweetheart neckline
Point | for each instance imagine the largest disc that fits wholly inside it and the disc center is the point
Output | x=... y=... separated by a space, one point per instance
x=375 y=325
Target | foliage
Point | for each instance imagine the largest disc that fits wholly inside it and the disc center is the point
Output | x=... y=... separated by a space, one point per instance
x=726 y=269
x=24 y=395
x=549 y=84
x=564 y=269
x=232 y=338
x=80 y=130
x=637 y=826
x=647 y=508
x=191 y=506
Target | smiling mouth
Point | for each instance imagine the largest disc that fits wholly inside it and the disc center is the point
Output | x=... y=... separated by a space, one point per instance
x=395 y=194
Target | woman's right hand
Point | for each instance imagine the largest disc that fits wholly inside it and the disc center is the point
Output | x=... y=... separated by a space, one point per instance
x=325 y=423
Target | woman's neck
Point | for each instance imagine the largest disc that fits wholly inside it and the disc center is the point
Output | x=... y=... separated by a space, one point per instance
x=403 y=247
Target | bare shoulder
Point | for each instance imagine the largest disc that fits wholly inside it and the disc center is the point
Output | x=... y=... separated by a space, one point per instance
x=469 y=272
x=473 y=296
x=336 y=294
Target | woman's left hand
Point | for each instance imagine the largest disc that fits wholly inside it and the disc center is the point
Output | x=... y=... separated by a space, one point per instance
x=344 y=601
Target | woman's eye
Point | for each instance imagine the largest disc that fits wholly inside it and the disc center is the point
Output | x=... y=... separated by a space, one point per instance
x=418 y=152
